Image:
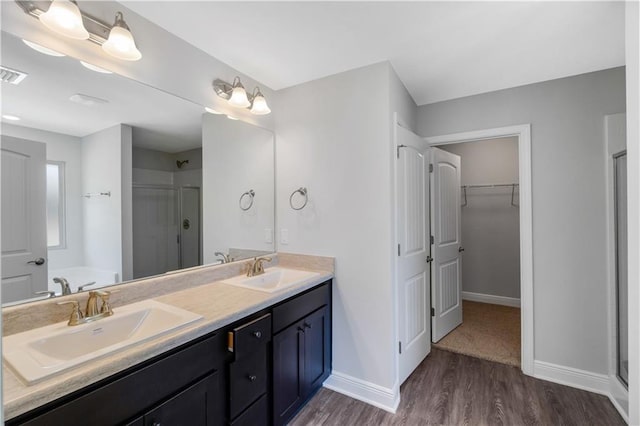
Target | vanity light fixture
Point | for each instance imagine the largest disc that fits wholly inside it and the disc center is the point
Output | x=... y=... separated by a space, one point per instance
x=95 y=68
x=212 y=111
x=120 y=43
x=64 y=17
x=10 y=117
x=237 y=96
x=42 y=49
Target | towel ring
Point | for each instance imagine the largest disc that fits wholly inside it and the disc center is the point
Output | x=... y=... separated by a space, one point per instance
x=250 y=193
x=303 y=192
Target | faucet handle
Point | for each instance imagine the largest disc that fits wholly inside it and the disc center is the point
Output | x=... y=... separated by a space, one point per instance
x=105 y=308
x=76 y=314
x=81 y=288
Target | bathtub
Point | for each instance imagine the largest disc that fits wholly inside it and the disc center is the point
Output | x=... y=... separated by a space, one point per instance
x=81 y=275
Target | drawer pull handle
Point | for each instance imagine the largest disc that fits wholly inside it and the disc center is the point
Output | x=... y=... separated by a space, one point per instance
x=307 y=325
x=156 y=424
x=257 y=334
x=252 y=378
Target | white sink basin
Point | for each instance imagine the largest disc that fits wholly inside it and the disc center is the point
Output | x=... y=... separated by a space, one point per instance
x=37 y=354
x=274 y=279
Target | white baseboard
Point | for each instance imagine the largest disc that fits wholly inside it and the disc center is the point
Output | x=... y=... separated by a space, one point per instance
x=489 y=298
x=569 y=376
x=370 y=393
x=603 y=384
x=619 y=396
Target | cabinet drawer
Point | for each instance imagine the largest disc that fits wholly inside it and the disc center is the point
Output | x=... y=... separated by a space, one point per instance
x=291 y=311
x=256 y=415
x=247 y=380
x=247 y=338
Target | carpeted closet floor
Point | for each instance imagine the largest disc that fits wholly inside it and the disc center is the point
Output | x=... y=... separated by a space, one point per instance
x=490 y=332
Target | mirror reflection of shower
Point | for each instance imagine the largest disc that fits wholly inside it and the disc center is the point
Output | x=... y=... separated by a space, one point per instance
x=167 y=211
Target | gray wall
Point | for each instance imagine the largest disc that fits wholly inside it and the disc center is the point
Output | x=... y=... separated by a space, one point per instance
x=490 y=224
x=569 y=213
x=334 y=138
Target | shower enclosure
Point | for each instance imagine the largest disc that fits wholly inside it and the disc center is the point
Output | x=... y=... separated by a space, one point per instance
x=166 y=229
x=620 y=193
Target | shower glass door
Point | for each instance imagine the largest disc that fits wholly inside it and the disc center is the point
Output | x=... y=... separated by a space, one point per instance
x=620 y=191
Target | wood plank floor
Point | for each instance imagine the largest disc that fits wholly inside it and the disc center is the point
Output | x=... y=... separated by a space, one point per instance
x=453 y=389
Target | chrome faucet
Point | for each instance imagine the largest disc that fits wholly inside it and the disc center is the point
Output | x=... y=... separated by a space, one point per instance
x=64 y=283
x=257 y=268
x=225 y=257
x=92 y=312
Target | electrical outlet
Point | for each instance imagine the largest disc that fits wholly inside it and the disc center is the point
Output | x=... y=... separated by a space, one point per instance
x=268 y=236
x=284 y=236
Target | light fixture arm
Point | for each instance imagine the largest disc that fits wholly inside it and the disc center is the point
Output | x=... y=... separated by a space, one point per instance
x=224 y=89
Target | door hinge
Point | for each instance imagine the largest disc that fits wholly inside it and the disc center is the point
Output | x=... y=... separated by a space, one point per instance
x=431 y=239
x=400 y=347
x=430 y=168
x=433 y=312
x=398 y=249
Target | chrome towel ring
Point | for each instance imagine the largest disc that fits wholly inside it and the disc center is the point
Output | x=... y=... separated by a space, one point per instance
x=303 y=192
x=250 y=193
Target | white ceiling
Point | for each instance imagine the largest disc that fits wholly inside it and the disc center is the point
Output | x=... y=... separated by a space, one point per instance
x=440 y=50
x=160 y=121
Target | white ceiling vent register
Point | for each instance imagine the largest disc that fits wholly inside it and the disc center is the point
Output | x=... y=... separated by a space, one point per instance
x=87 y=100
x=7 y=75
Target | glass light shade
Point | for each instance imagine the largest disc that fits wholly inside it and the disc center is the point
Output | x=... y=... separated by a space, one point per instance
x=260 y=106
x=239 y=97
x=121 y=45
x=64 y=18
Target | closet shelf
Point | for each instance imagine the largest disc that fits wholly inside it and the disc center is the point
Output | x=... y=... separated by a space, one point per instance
x=498 y=185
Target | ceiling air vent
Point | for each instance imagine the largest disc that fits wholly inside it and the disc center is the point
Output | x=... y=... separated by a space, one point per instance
x=7 y=75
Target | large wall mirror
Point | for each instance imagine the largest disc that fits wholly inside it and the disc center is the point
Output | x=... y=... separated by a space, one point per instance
x=106 y=180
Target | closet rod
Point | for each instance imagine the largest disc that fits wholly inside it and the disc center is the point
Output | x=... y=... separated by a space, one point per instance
x=499 y=185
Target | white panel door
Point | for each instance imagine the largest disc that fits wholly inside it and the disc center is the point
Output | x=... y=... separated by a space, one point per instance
x=447 y=245
x=24 y=223
x=413 y=251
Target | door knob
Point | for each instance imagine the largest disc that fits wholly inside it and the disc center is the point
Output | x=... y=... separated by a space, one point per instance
x=39 y=261
x=429 y=259
x=460 y=249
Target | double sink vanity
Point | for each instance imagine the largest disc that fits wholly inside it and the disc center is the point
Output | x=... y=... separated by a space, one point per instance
x=206 y=346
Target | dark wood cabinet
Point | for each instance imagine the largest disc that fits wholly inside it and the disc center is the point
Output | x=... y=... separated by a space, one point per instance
x=257 y=371
x=301 y=357
x=194 y=406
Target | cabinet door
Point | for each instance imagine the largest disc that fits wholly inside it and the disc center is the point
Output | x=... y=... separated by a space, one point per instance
x=194 y=406
x=317 y=349
x=288 y=372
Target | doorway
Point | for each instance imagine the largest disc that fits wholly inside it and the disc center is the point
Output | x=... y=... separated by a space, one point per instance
x=490 y=241
x=523 y=135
